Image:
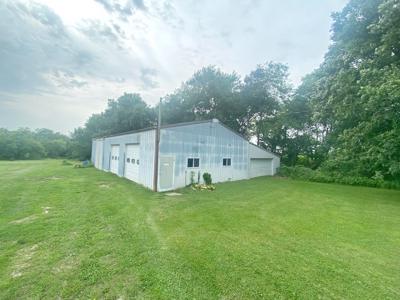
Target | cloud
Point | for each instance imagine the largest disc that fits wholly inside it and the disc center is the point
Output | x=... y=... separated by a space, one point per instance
x=148 y=78
x=101 y=32
x=67 y=80
x=167 y=12
x=49 y=67
x=61 y=60
x=35 y=43
x=39 y=54
x=123 y=8
x=139 y=4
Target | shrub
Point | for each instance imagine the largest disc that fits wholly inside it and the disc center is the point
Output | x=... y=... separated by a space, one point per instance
x=207 y=178
x=66 y=163
x=307 y=174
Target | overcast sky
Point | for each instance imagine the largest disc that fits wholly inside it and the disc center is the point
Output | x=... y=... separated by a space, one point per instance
x=61 y=60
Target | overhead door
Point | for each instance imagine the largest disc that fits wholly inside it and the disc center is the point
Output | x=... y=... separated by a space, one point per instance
x=114 y=160
x=132 y=161
x=260 y=167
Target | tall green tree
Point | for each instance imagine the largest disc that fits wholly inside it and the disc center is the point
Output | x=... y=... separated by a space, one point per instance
x=128 y=112
x=209 y=93
x=355 y=94
x=264 y=92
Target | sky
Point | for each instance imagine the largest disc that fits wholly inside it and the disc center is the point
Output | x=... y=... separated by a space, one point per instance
x=60 y=61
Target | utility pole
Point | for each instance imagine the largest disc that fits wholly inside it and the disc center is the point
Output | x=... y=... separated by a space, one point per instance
x=157 y=149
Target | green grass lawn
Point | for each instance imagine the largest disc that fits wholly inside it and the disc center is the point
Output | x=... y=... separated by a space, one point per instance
x=83 y=233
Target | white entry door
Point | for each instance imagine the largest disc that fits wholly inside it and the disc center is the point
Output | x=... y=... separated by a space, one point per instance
x=166 y=179
x=132 y=161
x=114 y=160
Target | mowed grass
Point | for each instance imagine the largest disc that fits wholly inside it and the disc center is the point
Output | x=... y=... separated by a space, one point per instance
x=83 y=233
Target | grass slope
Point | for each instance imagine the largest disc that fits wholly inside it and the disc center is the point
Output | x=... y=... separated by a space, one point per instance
x=80 y=233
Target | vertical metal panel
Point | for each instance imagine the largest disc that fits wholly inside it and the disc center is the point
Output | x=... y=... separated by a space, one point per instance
x=100 y=146
x=208 y=141
x=97 y=153
x=256 y=152
x=146 y=161
x=93 y=155
x=260 y=167
x=211 y=142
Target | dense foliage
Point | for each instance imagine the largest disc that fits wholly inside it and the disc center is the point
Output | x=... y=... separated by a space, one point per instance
x=354 y=96
x=320 y=175
x=26 y=144
x=128 y=112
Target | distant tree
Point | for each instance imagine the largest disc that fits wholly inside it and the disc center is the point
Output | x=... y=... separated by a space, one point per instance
x=128 y=112
x=20 y=144
x=54 y=143
x=209 y=93
x=264 y=92
x=81 y=143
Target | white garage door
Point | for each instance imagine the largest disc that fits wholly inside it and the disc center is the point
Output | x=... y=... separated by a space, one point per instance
x=114 y=162
x=260 y=167
x=132 y=161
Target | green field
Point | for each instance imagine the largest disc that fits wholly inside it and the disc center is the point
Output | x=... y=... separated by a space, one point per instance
x=83 y=233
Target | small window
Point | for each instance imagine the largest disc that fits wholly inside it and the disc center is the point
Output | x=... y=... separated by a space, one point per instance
x=193 y=162
x=137 y=161
x=190 y=163
x=133 y=161
x=226 y=162
x=196 y=162
x=128 y=160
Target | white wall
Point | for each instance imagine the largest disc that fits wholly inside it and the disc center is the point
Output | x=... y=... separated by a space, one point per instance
x=257 y=152
x=209 y=141
x=146 y=140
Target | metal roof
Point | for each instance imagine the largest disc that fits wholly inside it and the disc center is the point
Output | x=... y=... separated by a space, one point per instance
x=162 y=127
x=184 y=124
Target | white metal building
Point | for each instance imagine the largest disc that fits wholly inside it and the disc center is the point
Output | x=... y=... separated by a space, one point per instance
x=186 y=150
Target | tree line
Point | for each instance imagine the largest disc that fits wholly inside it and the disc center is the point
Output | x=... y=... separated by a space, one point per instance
x=27 y=144
x=343 y=118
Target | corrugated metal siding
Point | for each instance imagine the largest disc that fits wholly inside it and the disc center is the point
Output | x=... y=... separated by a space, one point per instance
x=211 y=142
x=146 y=140
x=256 y=152
x=208 y=141
x=97 y=152
x=146 y=166
x=93 y=156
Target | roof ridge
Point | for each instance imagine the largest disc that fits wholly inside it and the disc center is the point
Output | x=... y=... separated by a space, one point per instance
x=162 y=126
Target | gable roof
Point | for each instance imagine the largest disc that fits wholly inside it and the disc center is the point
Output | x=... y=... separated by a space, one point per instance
x=186 y=124
x=155 y=127
x=263 y=149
